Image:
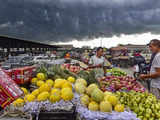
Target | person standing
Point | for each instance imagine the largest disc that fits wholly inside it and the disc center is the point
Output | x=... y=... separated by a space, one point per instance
x=99 y=63
x=154 y=74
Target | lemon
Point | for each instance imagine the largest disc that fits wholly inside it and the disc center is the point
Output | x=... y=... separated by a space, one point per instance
x=50 y=82
x=34 y=80
x=43 y=96
x=41 y=76
x=29 y=98
x=44 y=87
x=35 y=92
x=39 y=83
x=71 y=79
x=25 y=91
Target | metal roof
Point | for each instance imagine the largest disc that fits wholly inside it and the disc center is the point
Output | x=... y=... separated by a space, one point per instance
x=10 y=42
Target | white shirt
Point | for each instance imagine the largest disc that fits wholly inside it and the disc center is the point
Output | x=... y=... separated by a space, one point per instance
x=96 y=60
x=155 y=64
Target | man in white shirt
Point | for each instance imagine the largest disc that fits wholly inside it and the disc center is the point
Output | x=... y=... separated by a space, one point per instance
x=99 y=63
x=155 y=68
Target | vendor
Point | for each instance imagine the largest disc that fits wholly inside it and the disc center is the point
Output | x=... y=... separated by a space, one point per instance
x=99 y=63
x=154 y=74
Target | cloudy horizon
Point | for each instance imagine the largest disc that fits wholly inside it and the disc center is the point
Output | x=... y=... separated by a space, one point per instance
x=81 y=21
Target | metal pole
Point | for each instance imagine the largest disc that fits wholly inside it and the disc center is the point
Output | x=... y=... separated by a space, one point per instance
x=101 y=42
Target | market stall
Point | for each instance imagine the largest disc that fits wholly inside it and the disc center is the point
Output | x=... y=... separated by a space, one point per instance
x=68 y=91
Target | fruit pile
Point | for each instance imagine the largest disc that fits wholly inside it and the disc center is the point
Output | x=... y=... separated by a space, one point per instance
x=116 y=72
x=72 y=68
x=145 y=105
x=96 y=100
x=50 y=90
x=126 y=83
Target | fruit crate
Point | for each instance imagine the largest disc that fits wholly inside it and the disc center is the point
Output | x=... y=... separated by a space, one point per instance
x=56 y=115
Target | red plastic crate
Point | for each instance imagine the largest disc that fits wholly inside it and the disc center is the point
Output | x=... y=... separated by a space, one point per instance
x=22 y=75
x=9 y=90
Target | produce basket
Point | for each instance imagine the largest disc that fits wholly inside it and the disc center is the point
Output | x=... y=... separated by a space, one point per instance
x=56 y=115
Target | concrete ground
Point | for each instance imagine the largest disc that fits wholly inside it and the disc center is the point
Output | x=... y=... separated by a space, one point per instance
x=129 y=71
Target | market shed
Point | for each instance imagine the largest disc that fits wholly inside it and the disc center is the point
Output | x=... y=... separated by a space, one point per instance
x=14 y=44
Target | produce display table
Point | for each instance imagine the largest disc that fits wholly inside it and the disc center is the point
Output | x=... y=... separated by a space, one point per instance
x=68 y=86
x=122 y=61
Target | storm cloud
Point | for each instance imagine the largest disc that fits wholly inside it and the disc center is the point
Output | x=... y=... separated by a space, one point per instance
x=64 y=20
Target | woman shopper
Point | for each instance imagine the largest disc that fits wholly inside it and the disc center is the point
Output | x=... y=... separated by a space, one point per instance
x=154 y=74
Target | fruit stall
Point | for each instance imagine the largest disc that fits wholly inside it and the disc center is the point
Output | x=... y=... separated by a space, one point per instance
x=68 y=92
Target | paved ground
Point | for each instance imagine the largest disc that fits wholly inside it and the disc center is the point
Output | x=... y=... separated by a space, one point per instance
x=12 y=119
x=128 y=71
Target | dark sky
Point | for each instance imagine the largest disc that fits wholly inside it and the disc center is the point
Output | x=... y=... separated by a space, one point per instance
x=64 y=20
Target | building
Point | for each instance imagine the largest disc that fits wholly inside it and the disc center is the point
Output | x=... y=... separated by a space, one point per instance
x=65 y=47
x=10 y=44
x=131 y=48
x=117 y=51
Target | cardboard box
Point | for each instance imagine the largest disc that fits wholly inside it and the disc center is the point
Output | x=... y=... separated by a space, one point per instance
x=9 y=90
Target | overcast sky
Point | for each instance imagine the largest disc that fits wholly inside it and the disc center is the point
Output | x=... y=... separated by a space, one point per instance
x=137 y=39
x=81 y=22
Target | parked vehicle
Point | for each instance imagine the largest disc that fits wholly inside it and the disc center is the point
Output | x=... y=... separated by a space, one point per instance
x=17 y=61
x=39 y=59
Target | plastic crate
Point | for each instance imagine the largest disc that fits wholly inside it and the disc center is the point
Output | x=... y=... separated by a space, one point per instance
x=60 y=115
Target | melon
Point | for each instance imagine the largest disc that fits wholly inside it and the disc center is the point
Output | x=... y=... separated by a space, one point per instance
x=35 y=92
x=106 y=93
x=19 y=102
x=54 y=90
x=25 y=91
x=113 y=100
x=44 y=87
x=85 y=100
x=71 y=79
x=39 y=83
x=34 y=80
x=97 y=95
x=55 y=96
x=90 y=88
x=80 y=80
x=50 y=82
x=93 y=106
x=59 y=83
x=80 y=88
x=29 y=98
x=119 y=108
x=105 y=106
x=43 y=96
x=41 y=76
x=67 y=94
x=67 y=85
